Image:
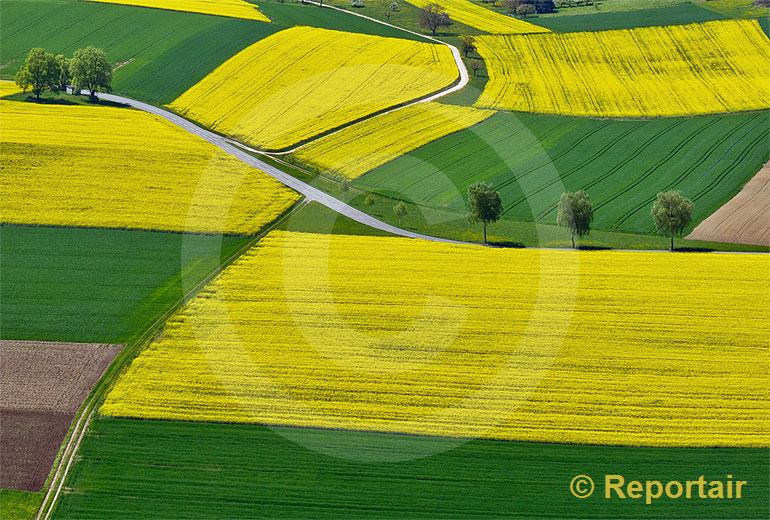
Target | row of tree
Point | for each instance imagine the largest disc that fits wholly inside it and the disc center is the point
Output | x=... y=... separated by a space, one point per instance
x=88 y=69
x=671 y=211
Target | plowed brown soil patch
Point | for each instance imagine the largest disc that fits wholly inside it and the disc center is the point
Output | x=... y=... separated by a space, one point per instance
x=42 y=384
x=745 y=219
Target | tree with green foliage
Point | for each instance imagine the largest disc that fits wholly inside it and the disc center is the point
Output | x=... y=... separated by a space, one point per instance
x=399 y=210
x=91 y=70
x=62 y=74
x=575 y=212
x=672 y=213
x=484 y=205
x=468 y=44
x=22 y=79
x=39 y=72
x=370 y=199
x=433 y=17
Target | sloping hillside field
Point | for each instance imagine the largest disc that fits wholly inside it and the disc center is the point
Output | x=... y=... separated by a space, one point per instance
x=362 y=147
x=126 y=169
x=391 y=334
x=229 y=8
x=622 y=165
x=721 y=66
x=157 y=54
x=305 y=81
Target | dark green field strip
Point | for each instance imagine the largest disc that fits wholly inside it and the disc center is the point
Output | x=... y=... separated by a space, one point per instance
x=532 y=159
x=96 y=285
x=164 y=469
x=674 y=15
x=158 y=54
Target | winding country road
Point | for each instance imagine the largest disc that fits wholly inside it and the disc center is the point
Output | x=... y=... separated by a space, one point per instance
x=311 y=193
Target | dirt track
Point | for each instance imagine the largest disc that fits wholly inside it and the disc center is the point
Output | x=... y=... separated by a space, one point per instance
x=42 y=384
x=745 y=219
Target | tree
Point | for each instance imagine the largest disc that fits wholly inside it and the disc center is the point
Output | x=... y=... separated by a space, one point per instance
x=22 y=79
x=433 y=17
x=91 y=71
x=485 y=205
x=672 y=212
x=468 y=44
x=62 y=74
x=575 y=212
x=399 y=210
x=370 y=199
x=38 y=71
x=475 y=66
x=525 y=10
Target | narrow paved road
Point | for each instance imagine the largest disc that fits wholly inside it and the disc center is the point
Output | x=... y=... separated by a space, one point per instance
x=310 y=192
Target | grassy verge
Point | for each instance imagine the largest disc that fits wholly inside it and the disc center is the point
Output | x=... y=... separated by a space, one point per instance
x=19 y=505
x=150 y=469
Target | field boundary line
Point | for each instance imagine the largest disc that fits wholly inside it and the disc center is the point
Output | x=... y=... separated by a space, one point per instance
x=131 y=349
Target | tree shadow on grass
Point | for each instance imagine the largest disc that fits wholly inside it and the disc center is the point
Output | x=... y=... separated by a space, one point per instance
x=508 y=244
x=64 y=101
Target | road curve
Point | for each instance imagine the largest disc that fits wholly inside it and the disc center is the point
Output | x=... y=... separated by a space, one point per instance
x=461 y=84
x=311 y=193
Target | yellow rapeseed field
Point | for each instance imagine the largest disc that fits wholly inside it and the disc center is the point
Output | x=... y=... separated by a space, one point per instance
x=481 y=18
x=364 y=146
x=713 y=67
x=121 y=168
x=304 y=81
x=228 y=8
x=400 y=335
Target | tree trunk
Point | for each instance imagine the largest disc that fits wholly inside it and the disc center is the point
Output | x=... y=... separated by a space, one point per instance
x=672 y=243
x=485 y=232
x=573 y=241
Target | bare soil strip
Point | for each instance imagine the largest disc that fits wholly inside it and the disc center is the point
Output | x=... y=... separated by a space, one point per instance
x=42 y=384
x=745 y=219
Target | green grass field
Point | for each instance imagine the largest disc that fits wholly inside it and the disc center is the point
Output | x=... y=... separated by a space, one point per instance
x=95 y=285
x=152 y=469
x=157 y=54
x=532 y=159
x=19 y=505
x=602 y=20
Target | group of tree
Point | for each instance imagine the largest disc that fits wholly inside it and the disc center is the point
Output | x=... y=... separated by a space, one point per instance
x=671 y=211
x=527 y=7
x=88 y=69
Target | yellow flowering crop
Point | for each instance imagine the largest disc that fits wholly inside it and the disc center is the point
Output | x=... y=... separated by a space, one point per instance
x=8 y=88
x=481 y=18
x=364 y=146
x=713 y=67
x=304 y=81
x=228 y=8
x=118 y=167
x=392 y=334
